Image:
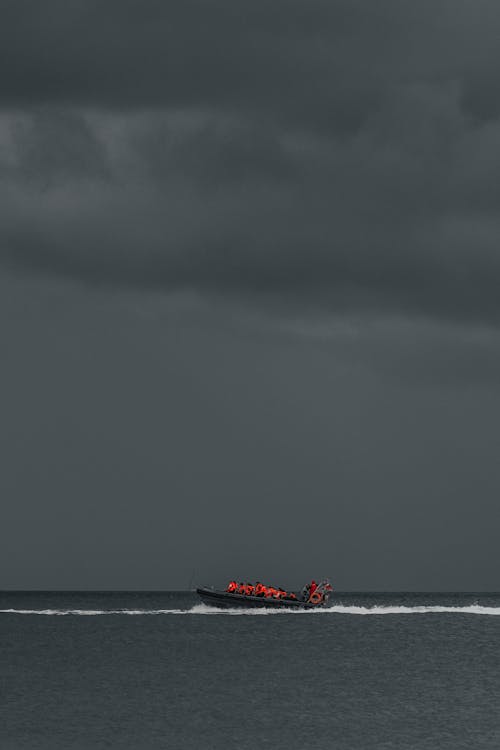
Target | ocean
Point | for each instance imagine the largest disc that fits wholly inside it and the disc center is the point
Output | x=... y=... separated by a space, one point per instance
x=160 y=670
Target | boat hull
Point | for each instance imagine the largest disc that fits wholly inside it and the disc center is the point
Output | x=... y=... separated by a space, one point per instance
x=225 y=600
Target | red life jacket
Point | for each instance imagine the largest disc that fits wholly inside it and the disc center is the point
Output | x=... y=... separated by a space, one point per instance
x=249 y=589
x=232 y=586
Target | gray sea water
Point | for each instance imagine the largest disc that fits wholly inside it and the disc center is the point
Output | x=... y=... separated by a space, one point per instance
x=160 y=670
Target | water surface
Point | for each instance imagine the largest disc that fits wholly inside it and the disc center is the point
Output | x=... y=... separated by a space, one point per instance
x=159 y=670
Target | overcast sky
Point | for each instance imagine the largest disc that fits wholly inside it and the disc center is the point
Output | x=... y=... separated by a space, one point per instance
x=250 y=293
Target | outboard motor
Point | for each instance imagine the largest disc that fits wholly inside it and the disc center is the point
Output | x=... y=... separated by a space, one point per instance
x=325 y=588
x=320 y=595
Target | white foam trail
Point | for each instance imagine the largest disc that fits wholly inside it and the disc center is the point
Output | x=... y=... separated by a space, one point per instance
x=203 y=609
x=93 y=612
x=472 y=609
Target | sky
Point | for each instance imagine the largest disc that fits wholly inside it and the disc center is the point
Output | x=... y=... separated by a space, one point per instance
x=249 y=293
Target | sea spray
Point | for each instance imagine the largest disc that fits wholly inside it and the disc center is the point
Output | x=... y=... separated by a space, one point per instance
x=202 y=609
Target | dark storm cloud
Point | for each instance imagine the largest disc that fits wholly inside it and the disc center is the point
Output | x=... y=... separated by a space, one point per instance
x=335 y=156
x=326 y=63
x=286 y=58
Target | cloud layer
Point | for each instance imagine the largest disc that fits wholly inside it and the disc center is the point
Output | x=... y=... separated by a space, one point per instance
x=336 y=157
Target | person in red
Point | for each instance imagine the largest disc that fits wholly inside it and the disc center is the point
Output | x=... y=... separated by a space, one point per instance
x=231 y=587
x=312 y=588
x=260 y=589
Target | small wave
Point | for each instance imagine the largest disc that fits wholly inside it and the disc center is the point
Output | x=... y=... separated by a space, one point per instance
x=93 y=612
x=340 y=609
x=472 y=609
x=203 y=609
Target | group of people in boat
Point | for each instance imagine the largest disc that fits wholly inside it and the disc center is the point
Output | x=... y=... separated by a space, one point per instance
x=270 y=592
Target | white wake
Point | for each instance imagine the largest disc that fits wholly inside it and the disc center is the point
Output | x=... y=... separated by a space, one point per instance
x=336 y=609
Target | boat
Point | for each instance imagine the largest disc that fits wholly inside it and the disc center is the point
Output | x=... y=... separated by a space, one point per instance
x=229 y=599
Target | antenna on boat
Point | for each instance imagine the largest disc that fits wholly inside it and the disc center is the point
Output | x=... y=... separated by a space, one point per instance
x=191 y=581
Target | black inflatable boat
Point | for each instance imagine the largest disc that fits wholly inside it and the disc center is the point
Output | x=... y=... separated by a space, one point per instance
x=226 y=600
